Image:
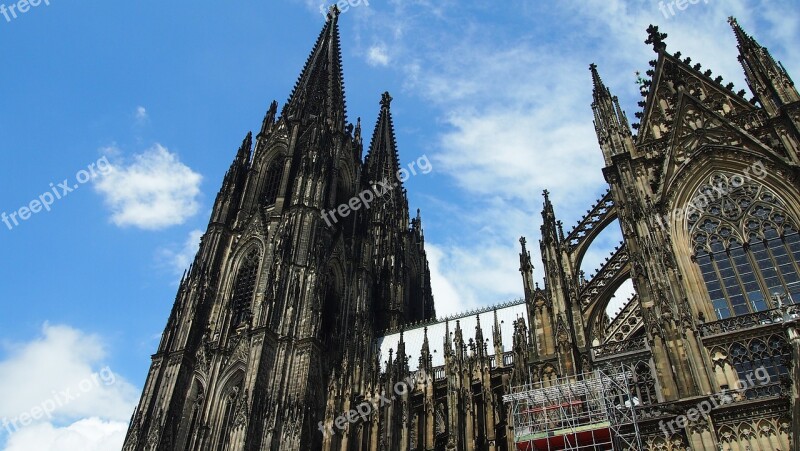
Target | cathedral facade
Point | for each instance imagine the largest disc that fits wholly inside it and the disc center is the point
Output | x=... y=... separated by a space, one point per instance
x=295 y=331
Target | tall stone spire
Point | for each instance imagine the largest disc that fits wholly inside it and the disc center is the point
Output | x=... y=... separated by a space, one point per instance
x=387 y=221
x=227 y=201
x=497 y=341
x=767 y=78
x=269 y=119
x=480 y=344
x=319 y=92
x=382 y=161
x=425 y=357
x=610 y=123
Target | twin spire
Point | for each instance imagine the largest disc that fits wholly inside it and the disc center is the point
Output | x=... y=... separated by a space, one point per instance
x=382 y=161
x=609 y=119
x=319 y=95
x=767 y=79
x=319 y=92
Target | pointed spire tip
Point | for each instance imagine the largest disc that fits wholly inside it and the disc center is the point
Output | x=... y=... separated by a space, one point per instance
x=597 y=82
x=333 y=12
x=386 y=99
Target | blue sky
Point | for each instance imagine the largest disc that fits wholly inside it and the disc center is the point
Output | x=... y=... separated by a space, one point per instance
x=496 y=94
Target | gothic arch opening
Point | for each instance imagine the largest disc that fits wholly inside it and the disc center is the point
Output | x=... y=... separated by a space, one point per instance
x=597 y=318
x=593 y=229
x=244 y=287
x=331 y=322
x=416 y=293
x=598 y=248
x=230 y=413
x=620 y=320
x=272 y=181
x=621 y=297
x=192 y=412
x=745 y=244
x=344 y=185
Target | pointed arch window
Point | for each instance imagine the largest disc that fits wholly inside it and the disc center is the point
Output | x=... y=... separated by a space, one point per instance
x=244 y=287
x=643 y=386
x=195 y=409
x=273 y=181
x=231 y=401
x=770 y=354
x=745 y=244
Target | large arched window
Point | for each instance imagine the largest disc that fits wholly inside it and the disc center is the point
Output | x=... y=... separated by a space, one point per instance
x=231 y=400
x=244 y=287
x=746 y=245
x=194 y=410
x=273 y=181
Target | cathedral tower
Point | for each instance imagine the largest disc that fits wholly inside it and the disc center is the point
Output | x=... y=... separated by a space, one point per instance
x=288 y=288
x=306 y=321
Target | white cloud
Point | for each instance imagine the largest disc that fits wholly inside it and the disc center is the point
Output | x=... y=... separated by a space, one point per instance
x=448 y=300
x=377 y=55
x=154 y=191
x=50 y=384
x=514 y=105
x=620 y=298
x=503 y=147
x=141 y=114
x=91 y=434
x=179 y=260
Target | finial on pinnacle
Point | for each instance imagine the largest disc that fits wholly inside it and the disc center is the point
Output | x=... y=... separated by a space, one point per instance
x=386 y=99
x=656 y=38
x=741 y=37
x=333 y=12
x=596 y=80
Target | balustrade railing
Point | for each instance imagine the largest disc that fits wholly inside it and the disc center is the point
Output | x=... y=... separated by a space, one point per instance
x=620 y=347
x=751 y=320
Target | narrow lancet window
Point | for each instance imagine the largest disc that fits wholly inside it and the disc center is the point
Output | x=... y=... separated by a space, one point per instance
x=244 y=287
x=273 y=182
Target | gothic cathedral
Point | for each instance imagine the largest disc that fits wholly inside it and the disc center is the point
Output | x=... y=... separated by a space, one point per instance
x=293 y=331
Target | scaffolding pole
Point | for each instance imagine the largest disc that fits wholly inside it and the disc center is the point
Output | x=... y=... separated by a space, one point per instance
x=591 y=411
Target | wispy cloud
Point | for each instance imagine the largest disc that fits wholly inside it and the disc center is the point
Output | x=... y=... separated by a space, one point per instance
x=179 y=260
x=516 y=118
x=377 y=55
x=141 y=114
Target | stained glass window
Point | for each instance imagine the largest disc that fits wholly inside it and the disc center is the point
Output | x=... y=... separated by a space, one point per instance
x=745 y=245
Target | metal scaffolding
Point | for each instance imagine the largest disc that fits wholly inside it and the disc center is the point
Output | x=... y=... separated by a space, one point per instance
x=592 y=411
